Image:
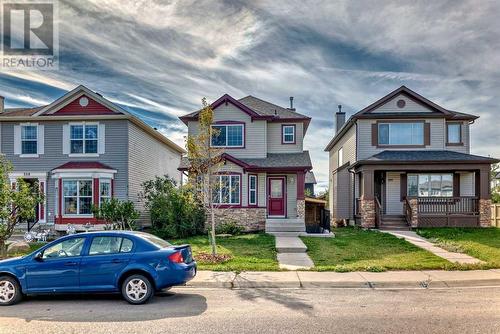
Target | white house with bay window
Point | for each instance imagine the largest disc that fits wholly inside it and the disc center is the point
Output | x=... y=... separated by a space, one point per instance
x=82 y=150
x=404 y=161
x=262 y=179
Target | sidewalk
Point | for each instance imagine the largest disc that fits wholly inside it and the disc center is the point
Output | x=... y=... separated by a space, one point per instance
x=308 y=279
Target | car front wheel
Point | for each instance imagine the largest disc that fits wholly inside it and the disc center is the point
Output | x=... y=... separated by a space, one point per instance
x=137 y=289
x=10 y=291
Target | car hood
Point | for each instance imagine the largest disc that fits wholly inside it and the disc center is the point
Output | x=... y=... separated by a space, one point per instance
x=11 y=261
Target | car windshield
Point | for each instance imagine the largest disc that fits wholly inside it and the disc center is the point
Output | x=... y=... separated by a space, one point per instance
x=154 y=240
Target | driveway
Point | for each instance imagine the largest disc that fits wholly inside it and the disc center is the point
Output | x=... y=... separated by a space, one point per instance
x=190 y=310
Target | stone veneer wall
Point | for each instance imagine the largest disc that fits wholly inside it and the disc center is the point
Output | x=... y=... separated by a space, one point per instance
x=485 y=212
x=414 y=212
x=301 y=209
x=251 y=219
x=367 y=212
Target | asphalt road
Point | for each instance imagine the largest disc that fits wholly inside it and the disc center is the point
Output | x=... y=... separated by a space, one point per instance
x=187 y=310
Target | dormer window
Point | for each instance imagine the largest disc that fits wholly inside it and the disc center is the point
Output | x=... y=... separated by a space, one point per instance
x=288 y=134
x=228 y=135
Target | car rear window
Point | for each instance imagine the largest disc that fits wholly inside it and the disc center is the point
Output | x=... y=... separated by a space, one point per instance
x=154 y=240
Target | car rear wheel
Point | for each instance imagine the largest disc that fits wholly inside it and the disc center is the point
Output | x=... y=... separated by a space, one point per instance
x=137 y=289
x=10 y=291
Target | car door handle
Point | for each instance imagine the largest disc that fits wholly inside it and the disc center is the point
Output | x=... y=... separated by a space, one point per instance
x=70 y=263
x=116 y=261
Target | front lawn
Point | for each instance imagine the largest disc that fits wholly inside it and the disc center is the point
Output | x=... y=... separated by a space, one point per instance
x=254 y=252
x=354 y=249
x=481 y=243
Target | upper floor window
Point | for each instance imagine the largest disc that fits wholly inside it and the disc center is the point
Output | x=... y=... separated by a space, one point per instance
x=228 y=135
x=29 y=139
x=454 y=133
x=288 y=134
x=340 y=157
x=430 y=185
x=226 y=189
x=406 y=133
x=84 y=138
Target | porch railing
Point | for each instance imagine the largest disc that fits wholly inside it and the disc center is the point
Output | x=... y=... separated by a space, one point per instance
x=448 y=206
x=408 y=212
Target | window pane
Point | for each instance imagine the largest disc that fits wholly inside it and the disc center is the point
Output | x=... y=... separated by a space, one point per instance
x=252 y=182
x=276 y=188
x=412 y=185
x=91 y=132
x=417 y=134
x=70 y=188
x=29 y=147
x=29 y=132
x=288 y=134
x=70 y=206
x=218 y=135
x=76 y=146
x=105 y=188
x=400 y=133
x=85 y=188
x=85 y=205
x=76 y=131
x=224 y=189
x=435 y=185
x=447 y=185
x=105 y=245
x=91 y=146
x=235 y=189
x=423 y=185
x=127 y=245
x=289 y=129
x=383 y=134
x=454 y=133
x=253 y=197
x=235 y=135
x=70 y=247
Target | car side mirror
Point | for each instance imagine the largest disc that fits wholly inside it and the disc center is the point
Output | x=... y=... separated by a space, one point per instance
x=38 y=256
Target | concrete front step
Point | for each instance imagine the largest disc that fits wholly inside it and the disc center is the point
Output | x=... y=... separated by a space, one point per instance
x=284 y=220
x=290 y=245
x=285 y=228
x=285 y=225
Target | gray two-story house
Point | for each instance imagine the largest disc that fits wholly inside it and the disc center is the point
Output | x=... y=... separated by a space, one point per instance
x=405 y=161
x=265 y=167
x=81 y=149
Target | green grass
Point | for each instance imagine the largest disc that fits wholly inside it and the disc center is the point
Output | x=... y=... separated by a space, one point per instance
x=248 y=251
x=355 y=249
x=481 y=243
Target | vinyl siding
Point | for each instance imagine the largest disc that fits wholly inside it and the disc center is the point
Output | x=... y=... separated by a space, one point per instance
x=148 y=158
x=262 y=193
x=274 y=138
x=467 y=184
x=393 y=204
x=410 y=106
x=115 y=155
x=291 y=196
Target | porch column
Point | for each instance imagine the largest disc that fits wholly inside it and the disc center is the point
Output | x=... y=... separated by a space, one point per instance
x=301 y=203
x=483 y=191
x=367 y=201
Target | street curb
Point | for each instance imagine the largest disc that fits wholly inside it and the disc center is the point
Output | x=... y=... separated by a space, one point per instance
x=356 y=280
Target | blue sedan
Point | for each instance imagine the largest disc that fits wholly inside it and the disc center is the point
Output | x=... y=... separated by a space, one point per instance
x=134 y=263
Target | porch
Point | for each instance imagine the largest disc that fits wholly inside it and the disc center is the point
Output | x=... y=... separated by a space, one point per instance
x=403 y=195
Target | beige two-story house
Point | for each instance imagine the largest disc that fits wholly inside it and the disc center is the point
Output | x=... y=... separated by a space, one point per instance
x=265 y=165
x=404 y=161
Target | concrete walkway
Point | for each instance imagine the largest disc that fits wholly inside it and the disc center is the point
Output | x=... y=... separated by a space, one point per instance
x=421 y=242
x=292 y=253
x=422 y=279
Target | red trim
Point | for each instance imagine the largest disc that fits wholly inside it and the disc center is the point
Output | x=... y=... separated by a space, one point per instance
x=93 y=108
x=95 y=195
x=301 y=177
x=83 y=165
x=285 y=195
x=230 y=123
x=283 y=134
x=112 y=188
x=60 y=202
x=80 y=220
x=256 y=190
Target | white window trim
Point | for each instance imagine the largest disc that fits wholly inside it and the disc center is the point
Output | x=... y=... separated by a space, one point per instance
x=83 y=155
x=219 y=176
x=29 y=155
x=250 y=190
x=391 y=124
x=293 y=134
x=74 y=215
x=340 y=157
x=227 y=133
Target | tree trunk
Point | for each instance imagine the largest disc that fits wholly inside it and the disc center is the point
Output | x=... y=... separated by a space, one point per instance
x=212 y=217
x=3 y=249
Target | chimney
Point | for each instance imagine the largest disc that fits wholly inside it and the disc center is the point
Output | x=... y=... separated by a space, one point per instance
x=291 y=103
x=2 y=104
x=339 y=119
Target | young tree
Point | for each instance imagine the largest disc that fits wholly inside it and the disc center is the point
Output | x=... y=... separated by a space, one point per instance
x=16 y=205
x=205 y=164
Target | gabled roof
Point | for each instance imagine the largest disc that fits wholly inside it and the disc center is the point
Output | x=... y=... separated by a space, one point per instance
x=20 y=112
x=84 y=165
x=437 y=111
x=256 y=109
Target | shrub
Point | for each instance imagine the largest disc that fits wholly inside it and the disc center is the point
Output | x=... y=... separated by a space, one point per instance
x=118 y=215
x=229 y=228
x=175 y=211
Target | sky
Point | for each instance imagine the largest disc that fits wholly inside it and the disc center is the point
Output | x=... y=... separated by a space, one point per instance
x=158 y=59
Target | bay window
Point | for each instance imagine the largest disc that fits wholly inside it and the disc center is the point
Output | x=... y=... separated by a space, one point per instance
x=252 y=190
x=430 y=185
x=404 y=133
x=227 y=135
x=77 y=197
x=226 y=189
x=83 y=138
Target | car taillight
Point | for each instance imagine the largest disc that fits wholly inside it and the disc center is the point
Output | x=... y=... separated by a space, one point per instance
x=176 y=257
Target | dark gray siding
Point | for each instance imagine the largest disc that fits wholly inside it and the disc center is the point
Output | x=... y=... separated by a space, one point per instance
x=115 y=156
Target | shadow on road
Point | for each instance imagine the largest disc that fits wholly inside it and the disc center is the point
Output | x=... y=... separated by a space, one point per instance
x=106 y=308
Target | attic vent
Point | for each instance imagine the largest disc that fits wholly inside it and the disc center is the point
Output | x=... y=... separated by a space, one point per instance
x=401 y=103
x=83 y=101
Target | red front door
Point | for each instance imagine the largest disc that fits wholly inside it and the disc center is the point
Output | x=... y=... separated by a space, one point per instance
x=276 y=197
